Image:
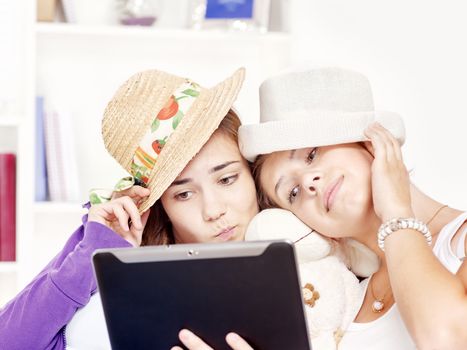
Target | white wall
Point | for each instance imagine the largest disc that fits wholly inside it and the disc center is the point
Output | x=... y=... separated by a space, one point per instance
x=415 y=55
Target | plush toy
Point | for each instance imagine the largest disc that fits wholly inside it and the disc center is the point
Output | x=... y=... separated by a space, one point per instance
x=331 y=292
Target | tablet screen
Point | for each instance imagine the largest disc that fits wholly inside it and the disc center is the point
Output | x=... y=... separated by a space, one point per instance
x=254 y=293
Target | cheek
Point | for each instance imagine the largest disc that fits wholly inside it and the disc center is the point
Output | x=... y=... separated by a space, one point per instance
x=180 y=214
x=245 y=197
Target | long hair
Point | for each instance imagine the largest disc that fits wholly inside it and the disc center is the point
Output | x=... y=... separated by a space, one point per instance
x=264 y=201
x=158 y=229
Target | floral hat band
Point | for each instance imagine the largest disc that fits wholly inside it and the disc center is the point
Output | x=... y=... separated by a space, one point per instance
x=153 y=141
x=162 y=127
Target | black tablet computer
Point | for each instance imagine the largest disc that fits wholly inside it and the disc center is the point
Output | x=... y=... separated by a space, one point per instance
x=252 y=288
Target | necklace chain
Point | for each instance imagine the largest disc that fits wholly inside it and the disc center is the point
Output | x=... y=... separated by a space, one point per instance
x=378 y=303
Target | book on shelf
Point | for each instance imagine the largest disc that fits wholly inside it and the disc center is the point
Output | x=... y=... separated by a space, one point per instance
x=41 y=191
x=62 y=168
x=7 y=207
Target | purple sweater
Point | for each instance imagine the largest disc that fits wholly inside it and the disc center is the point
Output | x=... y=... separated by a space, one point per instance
x=37 y=316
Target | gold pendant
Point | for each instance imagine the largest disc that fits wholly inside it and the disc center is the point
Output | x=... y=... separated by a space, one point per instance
x=377 y=306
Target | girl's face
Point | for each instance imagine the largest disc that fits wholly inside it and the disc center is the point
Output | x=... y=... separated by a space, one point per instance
x=328 y=188
x=214 y=198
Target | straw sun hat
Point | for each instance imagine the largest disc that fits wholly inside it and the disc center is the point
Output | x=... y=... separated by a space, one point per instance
x=157 y=122
x=314 y=107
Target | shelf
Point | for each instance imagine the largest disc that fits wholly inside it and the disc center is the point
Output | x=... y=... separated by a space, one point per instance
x=9 y=121
x=58 y=208
x=8 y=267
x=105 y=31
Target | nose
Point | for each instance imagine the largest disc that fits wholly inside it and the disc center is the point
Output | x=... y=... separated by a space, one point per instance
x=213 y=207
x=311 y=182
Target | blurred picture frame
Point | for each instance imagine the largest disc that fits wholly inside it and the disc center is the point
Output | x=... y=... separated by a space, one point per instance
x=231 y=15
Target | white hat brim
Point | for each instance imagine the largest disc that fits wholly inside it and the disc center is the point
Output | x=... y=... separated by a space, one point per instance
x=313 y=130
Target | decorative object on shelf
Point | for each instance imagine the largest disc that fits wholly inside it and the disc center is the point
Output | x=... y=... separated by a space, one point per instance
x=91 y=12
x=234 y=15
x=138 y=12
x=46 y=10
x=7 y=207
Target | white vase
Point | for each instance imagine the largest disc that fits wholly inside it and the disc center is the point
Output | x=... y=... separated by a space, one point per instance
x=94 y=12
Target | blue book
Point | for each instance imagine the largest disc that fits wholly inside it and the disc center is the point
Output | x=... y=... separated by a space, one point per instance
x=222 y=9
x=40 y=160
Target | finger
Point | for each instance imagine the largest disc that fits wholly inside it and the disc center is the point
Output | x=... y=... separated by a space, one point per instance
x=236 y=342
x=138 y=233
x=121 y=215
x=176 y=348
x=145 y=217
x=392 y=146
x=132 y=210
x=395 y=143
x=134 y=192
x=138 y=192
x=378 y=144
x=192 y=341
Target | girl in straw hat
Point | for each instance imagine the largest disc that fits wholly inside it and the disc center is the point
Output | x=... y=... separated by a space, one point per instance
x=189 y=183
x=324 y=153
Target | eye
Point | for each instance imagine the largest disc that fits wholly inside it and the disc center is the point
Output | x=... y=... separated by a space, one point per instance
x=311 y=155
x=293 y=194
x=183 y=196
x=228 y=180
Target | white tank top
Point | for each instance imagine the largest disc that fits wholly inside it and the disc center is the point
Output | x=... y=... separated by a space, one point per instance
x=389 y=332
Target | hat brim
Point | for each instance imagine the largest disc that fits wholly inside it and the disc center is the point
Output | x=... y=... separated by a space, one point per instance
x=314 y=130
x=192 y=133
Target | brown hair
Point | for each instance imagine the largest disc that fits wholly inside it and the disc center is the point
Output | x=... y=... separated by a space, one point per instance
x=158 y=229
x=264 y=201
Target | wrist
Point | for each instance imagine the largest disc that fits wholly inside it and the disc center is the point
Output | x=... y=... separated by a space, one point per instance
x=397 y=224
x=397 y=213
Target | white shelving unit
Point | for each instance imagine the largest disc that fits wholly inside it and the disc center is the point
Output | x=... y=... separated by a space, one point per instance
x=79 y=68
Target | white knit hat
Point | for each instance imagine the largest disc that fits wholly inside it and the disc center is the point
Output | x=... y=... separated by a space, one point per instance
x=314 y=107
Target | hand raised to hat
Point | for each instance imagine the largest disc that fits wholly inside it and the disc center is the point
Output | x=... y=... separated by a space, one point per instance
x=390 y=179
x=193 y=342
x=117 y=212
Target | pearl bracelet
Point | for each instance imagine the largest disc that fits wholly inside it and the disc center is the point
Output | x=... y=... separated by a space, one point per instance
x=397 y=224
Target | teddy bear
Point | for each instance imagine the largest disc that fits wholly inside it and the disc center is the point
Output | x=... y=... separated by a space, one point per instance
x=331 y=292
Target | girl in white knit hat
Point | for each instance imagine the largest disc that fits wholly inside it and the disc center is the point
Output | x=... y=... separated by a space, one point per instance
x=324 y=153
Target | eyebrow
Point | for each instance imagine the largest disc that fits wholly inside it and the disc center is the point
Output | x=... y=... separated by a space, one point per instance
x=222 y=166
x=281 y=179
x=211 y=171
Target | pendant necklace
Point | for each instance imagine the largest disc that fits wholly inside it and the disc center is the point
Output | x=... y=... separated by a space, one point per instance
x=378 y=304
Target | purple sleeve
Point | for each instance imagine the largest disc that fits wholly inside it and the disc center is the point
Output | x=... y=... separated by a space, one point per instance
x=36 y=317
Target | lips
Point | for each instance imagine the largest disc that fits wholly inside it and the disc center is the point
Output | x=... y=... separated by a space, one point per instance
x=331 y=192
x=226 y=234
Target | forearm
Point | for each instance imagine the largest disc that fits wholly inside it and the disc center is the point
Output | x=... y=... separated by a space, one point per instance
x=432 y=301
x=47 y=304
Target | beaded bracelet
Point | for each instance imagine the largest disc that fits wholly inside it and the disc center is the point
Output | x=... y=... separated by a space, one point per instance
x=399 y=224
